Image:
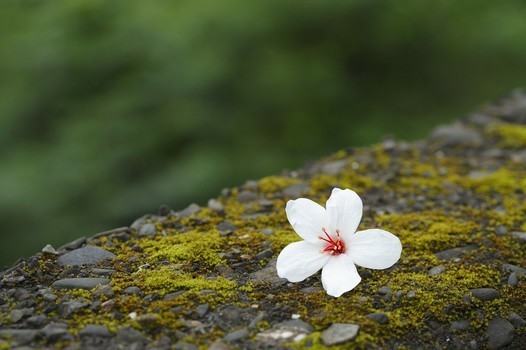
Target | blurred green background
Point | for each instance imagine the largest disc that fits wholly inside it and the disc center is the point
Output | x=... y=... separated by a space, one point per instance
x=110 y=108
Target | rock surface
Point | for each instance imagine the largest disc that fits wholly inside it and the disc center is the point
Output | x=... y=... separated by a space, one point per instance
x=205 y=277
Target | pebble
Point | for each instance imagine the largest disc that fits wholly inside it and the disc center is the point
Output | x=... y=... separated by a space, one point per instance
x=485 y=294
x=79 y=283
x=18 y=314
x=378 y=317
x=437 y=270
x=454 y=253
x=48 y=249
x=513 y=279
x=54 y=331
x=84 y=256
x=182 y=345
x=202 y=309
x=104 y=289
x=520 y=236
x=295 y=324
x=102 y=272
x=339 y=333
x=79 y=242
x=226 y=226
x=190 y=210
x=385 y=290
x=132 y=290
x=215 y=206
x=220 y=345
x=516 y=320
x=147 y=230
x=20 y=336
x=246 y=196
x=295 y=191
x=267 y=275
x=129 y=336
x=521 y=272
x=500 y=333
x=149 y=320
x=411 y=294
x=334 y=167
x=266 y=254
x=456 y=135
x=460 y=325
x=236 y=335
x=254 y=322
x=95 y=330
x=37 y=321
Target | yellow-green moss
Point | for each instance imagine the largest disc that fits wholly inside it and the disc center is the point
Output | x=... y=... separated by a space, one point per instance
x=273 y=184
x=510 y=135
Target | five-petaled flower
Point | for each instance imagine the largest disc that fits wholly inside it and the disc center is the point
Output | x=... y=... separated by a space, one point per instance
x=331 y=243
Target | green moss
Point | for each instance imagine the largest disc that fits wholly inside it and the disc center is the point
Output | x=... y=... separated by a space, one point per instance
x=273 y=184
x=510 y=135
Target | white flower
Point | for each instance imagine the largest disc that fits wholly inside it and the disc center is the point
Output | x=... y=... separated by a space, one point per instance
x=331 y=243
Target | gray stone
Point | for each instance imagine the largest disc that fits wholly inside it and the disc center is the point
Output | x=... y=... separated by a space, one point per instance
x=19 y=336
x=128 y=335
x=54 y=331
x=147 y=230
x=225 y=226
x=266 y=254
x=437 y=270
x=378 y=317
x=500 y=333
x=334 y=167
x=48 y=249
x=460 y=325
x=133 y=290
x=202 y=309
x=104 y=289
x=215 y=206
x=454 y=253
x=513 y=279
x=220 y=345
x=84 y=256
x=182 y=345
x=411 y=294
x=516 y=320
x=79 y=242
x=240 y=334
x=259 y=317
x=18 y=314
x=102 y=272
x=385 y=290
x=37 y=321
x=521 y=272
x=520 y=236
x=295 y=324
x=79 y=283
x=485 y=294
x=339 y=333
x=295 y=191
x=267 y=275
x=456 y=135
x=246 y=196
x=95 y=330
x=190 y=210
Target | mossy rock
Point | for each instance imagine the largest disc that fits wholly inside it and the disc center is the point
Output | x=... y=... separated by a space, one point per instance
x=207 y=275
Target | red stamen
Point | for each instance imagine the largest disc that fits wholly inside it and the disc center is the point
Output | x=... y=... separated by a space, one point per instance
x=334 y=246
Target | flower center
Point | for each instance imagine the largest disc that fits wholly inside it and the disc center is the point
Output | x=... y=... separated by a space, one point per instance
x=335 y=246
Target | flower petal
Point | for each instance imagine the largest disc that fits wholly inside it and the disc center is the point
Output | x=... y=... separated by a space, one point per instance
x=344 y=208
x=374 y=249
x=299 y=260
x=307 y=218
x=339 y=275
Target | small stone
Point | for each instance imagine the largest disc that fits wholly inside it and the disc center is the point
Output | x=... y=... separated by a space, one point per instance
x=79 y=242
x=456 y=135
x=267 y=231
x=104 y=289
x=54 y=331
x=512 y=268
x=79 y=283
x=48 y=249
x=437 y=270
x=519 y=236
x=84 y=256
x=267 y=275
x=182 y=345
x=296 y=324
x=236 y=335
x=259 y=317
x=173 y=295
x=37 y=321
x=311 y=290
x=339 y=333
x=295 y=191
x=385 y=290
x=460 y=325
x=220 y=345
x=147 y=230
x=246 y=196
x=485 y=294
x=202 y=309
x=500 y=230
x=500 y=333
x=334 y=167
x=215 y=206
x=226 y=226
x=266 y=254
x=20 y=336
x=149 y=320
x=411 y=294
x=95 y=330
x=225 y=271
x=190 y=210
x=132 y=290
x=128 y=336
x=378 y=317
x=516 y=320
x=454 y=253
x=513 y=279
x=17 y=314
x=102 y=272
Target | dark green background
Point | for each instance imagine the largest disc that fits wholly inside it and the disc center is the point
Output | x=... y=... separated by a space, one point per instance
x=110 y=108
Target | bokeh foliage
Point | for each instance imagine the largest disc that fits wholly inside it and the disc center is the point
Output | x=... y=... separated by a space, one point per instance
x=110 y=108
